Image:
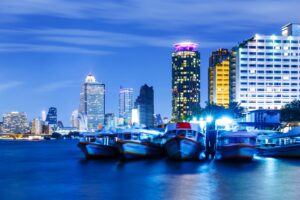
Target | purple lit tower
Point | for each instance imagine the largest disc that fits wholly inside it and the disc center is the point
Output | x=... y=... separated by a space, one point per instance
x=185 y=81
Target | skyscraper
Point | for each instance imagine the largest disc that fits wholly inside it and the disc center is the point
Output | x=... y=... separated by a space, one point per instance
x=52 y=116
x=15 y=122
x=75 y=119
x=92 y=102
x=126 y=104
x=36 y=127
x=145 y=106
x=110 y=120
x=267 y=70
x=218 y=87
x=185 y=80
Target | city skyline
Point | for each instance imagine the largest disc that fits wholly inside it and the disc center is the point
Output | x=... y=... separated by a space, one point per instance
x=60 y=55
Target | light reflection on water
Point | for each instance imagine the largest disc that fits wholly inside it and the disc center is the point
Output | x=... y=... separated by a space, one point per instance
x=57 y=170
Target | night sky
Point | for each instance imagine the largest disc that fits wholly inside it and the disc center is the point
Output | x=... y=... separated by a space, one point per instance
x=47 y=47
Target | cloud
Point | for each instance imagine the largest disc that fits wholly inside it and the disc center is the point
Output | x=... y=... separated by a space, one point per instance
x=86 y=41
x=9 y=85
x=56 y=85
x=8 y=47
x=166 y=14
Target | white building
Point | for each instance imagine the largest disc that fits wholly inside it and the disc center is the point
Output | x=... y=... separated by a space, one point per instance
x=268 y=70
x=75 y=119
x=126 y=104
x=36 y=127
x=15 y=122
x=92 y=102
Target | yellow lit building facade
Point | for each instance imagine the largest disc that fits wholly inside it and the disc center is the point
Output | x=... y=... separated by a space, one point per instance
x=218 y=73
x=185 y=81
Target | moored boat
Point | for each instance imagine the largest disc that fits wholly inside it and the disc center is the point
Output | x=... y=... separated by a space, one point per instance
x=238 y=145
x=101 y=145
x=139 y=143
x=184 y=141
x=280 y=144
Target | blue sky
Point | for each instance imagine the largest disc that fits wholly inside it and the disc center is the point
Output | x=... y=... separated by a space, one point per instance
x=47 y=47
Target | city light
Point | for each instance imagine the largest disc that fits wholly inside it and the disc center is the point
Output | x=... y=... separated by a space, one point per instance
x=209 y=119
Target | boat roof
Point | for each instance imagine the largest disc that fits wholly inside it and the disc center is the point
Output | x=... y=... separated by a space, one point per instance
x=279 y=135
x=183 y=126
x=294 y=132
x=243 y=134
x=140 y=130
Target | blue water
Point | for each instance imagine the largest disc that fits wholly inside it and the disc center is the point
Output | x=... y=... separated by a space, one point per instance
x=58 y=170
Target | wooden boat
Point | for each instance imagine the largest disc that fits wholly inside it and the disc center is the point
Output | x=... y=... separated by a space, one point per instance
x=238 y=145
x=184 y=141
x=139 y=143
x=280 y=144
x=101 y=145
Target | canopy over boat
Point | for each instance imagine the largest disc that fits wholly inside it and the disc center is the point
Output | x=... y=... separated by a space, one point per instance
x=139 y=130
x=239 y=134
x=295 y=132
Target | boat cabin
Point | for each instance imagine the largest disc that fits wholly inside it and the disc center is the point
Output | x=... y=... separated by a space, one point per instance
x=278 y=140
x=106 y=139
x=236 y=138
x=140 y=135
x=183 y=129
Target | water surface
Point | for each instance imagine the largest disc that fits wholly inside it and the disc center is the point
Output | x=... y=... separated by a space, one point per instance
x=58 y=170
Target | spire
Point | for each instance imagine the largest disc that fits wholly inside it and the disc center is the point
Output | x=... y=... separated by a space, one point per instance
x=90 y=79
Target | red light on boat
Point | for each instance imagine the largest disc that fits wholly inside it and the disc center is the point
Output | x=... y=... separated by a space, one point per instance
x=183 y=125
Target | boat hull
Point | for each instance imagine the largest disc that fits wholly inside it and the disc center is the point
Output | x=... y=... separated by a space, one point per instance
x=292 y=151
x=94 y=150
x=235 y=152
x=138 y=150
x=181 y=148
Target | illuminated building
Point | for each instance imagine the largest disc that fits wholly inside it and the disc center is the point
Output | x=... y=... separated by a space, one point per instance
x=92 y=102
x=185 y=80
x=232 y=74
x=219 y=77
x=110 y=120
x=44 y=116
x=15 y=122
x=52 y=116
x=267 y=70
x=36 y=127
x=145 y=106
x=75 y=119
x=126 y=104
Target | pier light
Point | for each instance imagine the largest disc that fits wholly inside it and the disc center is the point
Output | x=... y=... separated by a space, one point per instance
x=209 y=119
x=273 y=37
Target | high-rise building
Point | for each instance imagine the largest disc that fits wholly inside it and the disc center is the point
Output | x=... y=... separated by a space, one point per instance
x=15 y=122
x=157 y=120
x=92 y=102
x=232 y=74
x=44 y=115
x=219 y=77
x=126 y=104
x=36 y=126
x=1 y=127
x=52 y=116
x=267 y=69
x=145 y=106
x=185 y=80
x=75 y=119
x=110 y=120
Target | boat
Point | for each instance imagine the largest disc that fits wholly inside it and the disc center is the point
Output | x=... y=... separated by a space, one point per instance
x=280 y=144
x=184 y=141
x=239 y=145
x=139 y=143
x=102 y=145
